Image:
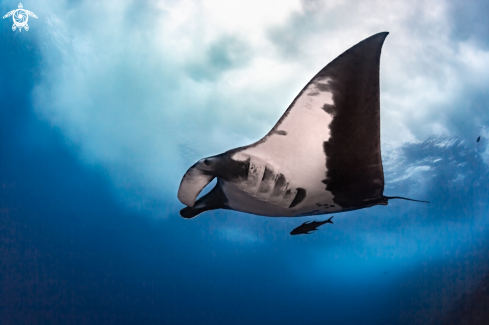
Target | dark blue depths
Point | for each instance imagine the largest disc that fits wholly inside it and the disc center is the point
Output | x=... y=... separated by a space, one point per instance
x=71 y=252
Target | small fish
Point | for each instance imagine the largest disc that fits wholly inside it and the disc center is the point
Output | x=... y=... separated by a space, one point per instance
x=309 y=226
x=479 y=138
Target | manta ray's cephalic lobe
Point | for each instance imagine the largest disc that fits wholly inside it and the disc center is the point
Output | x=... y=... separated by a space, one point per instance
x=323 y=155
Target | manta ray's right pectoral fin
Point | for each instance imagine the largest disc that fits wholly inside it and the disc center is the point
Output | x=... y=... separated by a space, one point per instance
x=213 y=200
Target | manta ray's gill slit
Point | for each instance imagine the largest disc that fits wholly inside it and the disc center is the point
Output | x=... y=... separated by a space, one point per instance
x=289 y=196
x=299 y=197
x=266 y=182
x=279 y=188
x=255 y=176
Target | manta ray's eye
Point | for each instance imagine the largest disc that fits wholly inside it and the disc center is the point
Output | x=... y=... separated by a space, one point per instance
x=207 y=162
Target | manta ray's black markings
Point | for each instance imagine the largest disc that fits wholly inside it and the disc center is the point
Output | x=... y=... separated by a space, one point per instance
x=354 y=168
x=330 y=109
x=232 y=170
x=322 y=156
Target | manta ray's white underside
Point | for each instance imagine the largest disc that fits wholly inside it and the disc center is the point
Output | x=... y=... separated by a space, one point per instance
x=295 y=150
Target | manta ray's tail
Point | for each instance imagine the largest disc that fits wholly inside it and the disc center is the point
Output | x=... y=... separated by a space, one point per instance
x=404 y=198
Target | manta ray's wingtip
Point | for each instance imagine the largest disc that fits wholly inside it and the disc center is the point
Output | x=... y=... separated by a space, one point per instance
x=381 y=36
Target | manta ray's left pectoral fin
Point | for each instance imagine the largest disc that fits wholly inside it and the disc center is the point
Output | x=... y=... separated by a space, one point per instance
x=213 y=200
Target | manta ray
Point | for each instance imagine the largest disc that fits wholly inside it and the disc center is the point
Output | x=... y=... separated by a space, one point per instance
x=323 y=155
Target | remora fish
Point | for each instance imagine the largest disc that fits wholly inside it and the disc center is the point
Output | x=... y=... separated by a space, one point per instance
x=309 y=226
